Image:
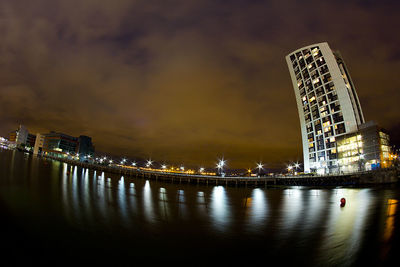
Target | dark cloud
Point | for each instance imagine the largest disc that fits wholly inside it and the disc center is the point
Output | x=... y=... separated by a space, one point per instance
x=185 y=81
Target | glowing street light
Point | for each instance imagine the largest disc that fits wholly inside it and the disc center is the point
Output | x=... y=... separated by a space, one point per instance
x=133 y=163
x=289 y=168
x=201 y=169
x=220 y=165
x=148 y=164
x=259 y=167
x=163 y=166
x=182 y=168
x=297 y=165
x=111 y=161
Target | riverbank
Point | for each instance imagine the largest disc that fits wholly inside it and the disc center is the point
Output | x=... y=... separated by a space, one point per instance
x=383 y=176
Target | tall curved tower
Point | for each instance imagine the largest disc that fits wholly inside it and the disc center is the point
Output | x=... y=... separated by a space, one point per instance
x=327 y=102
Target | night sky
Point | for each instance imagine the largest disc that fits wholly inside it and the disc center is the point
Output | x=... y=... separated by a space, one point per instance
x=187 y=81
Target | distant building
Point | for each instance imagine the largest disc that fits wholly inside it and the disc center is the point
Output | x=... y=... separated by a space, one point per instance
x=58 y=144
x=328 y=106
x=86 y=148
x=22 y=135
x=39 y=142
x=12 y=136
x=30 y=140
x=64 y=145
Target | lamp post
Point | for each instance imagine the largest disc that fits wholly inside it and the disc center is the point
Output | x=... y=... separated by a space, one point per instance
x=259 y=167
x=220 y=166
x=297 y=166
x=148 y=163
x=289 y=168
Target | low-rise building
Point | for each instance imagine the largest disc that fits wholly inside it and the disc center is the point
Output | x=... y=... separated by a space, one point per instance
x=63 y=145
x=59 y=144
x=30 y=140
x=366 y=149
x=86 y=148
x=39 y=141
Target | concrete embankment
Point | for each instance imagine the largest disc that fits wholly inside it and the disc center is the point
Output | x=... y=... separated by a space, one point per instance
x=384 y=176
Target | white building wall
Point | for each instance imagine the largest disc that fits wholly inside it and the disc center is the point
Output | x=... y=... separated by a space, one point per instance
x=38 y=143
x=317 y=81
x=306 y=162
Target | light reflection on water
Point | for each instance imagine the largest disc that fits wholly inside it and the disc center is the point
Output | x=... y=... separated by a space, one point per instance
x=219 y=209
x=256 y=210
x=290 y=218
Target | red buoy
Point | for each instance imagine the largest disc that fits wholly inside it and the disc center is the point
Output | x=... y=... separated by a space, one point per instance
x=342 y=202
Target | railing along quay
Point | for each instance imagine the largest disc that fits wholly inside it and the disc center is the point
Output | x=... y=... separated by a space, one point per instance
x=360 y=178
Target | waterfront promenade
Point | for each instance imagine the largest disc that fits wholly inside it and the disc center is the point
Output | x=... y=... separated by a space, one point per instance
x=383 y=176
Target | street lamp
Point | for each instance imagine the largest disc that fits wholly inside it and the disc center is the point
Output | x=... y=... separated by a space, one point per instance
x=133 y=163
x=220 y=165
x=289 y=168
x=201 y=169
x=259 y=167
x=148 y=164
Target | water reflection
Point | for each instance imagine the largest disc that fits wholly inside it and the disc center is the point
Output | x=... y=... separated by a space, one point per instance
x=287 y=218
x=148 y=203
x=181 y=201
x=201 y=204
x=389 y=226
x=291 y=211
x=163 y=204
x=345 y=225
x=219 y=209
x=122 y=201
x=257 y=210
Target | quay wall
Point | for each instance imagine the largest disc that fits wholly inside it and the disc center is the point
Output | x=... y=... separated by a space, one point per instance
x=383 y=176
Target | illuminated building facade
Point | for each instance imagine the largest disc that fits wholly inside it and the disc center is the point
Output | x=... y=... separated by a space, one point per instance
x=57 y=144
x=366 y=149
x=63 y=145
x=13 y=136
x=327 y=103
x=22 y=137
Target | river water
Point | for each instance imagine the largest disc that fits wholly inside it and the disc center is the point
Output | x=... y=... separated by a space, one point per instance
x=54 y=213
